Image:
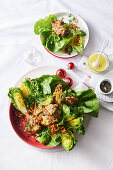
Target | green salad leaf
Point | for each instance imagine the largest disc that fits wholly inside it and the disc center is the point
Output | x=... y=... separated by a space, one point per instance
x=44 y=36
x=55 y=42
x=88 y=102
x=27 y=92
x=68 y=141
x=85 y=95
x=44 y=24
x=50 y=44
x=80 y=32
x=11 y=93
x=67 y=114
x=26 y=87
x=79 y=47
x=44 y=86
x=76 y=125
x=56 y=139
x=15 y=94
x=43 y=137
x=93 y=105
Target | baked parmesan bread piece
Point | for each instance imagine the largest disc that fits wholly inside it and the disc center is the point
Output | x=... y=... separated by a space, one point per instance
x=57 y=95
x=58 y=28
x=70 y=100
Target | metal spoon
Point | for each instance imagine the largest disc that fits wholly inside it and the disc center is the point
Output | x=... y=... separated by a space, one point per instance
x=96 y=63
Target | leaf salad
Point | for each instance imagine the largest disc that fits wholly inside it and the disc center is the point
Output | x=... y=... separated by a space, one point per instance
x=57 y=35
x=53 y=110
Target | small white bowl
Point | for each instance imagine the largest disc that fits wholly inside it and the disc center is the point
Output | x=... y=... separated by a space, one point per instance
x=107 y=62
x=108 y=80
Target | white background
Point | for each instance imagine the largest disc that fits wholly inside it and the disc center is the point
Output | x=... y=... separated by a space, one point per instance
x=95 y=149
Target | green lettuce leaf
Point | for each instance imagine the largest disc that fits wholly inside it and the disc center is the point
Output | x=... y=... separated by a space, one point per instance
x=85 y=95
x=68 y=141
x=51 y=44
x=79 y=47
x=81 y=32
x=43 y=137
x=56 y=140
x=76 y=125
x=55 y=43
x=44 y=37
x=44 y=86
x=88 y=102
x=44 y=24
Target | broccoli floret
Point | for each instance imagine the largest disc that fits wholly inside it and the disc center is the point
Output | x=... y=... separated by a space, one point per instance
x=44 y=137
x=17 y=99
x=68 y=141
x=26 y=87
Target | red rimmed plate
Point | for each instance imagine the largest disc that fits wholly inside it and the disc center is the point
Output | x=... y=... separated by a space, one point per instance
x=18 y=124
x=80 y=23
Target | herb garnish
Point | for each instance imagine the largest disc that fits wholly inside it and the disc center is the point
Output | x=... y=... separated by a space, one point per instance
x=73 y=18
x=70 y=15
x=70 y=20
x=27 y=126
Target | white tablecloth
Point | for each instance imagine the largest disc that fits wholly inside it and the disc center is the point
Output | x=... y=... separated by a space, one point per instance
x=94 y=151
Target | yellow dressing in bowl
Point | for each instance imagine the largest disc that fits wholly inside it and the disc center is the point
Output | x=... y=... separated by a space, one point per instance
x=103 y=62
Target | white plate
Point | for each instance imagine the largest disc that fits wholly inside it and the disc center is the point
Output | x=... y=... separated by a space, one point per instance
x=42 y=70
x=81 y=24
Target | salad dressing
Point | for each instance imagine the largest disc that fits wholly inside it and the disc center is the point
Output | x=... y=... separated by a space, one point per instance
x=102 y=62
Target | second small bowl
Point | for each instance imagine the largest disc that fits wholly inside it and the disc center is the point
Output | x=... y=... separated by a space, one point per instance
x=106 y=86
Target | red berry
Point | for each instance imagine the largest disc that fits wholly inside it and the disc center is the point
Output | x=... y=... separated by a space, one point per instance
x=68 y=80
x=61 y=73
x=71 y=66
